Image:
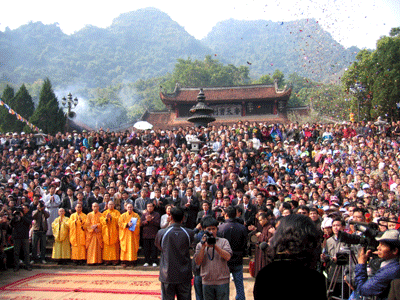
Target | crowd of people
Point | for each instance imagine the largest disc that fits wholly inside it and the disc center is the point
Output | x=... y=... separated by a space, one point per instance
x=103 y=195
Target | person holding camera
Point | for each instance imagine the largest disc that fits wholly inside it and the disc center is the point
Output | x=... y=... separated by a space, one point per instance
x=39 y=217
x=21 y=224
x=379 y=284
x=333 y=246
x=212 y=255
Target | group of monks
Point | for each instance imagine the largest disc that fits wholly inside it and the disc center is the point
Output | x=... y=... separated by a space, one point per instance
x=107 y=237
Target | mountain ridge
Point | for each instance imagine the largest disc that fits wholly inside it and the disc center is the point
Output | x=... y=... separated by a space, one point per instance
x=147 y=42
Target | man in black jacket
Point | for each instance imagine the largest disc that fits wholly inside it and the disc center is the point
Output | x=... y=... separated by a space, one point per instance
x=249 y=211
x=21 y=224
x=175 y=264
x=191 y=206
x=236 y=234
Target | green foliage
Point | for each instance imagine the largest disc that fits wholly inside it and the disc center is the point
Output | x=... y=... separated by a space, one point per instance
x=330 y=100
x=6 y=119
x=148 y=95
x=48 y=116
x=264 y=79
x=209 y=72
x=301 y=88
x=378 y=72
x=146 y=43
x=279 y=77
x=140 y=44
x=24 y=106
x=394 y=31
x=107 y=107
x=300 y=46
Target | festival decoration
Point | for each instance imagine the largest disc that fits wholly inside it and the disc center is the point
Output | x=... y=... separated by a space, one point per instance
x=18 y=116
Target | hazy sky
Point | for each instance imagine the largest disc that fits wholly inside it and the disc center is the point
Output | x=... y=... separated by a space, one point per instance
x=356 y=22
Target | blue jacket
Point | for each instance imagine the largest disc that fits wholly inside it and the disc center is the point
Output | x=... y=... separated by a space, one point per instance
x=379 y=284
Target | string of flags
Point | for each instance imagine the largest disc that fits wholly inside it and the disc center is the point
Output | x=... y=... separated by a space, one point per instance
x=18 y=116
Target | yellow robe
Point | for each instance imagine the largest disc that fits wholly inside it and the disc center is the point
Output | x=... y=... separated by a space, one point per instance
x=110 y=234
x=62 y=245
x=77 y=236
x=129 y=240
x=94 y=239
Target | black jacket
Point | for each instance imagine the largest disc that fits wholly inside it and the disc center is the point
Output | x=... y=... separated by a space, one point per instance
x=174 y=243
x=20 y=227
x=236 y=234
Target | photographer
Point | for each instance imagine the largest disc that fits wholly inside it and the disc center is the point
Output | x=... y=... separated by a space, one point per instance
x=20 y=224
x=212 y=255
x=379 y=284
x=40 y=217
x=333 y=246
x=4 y=226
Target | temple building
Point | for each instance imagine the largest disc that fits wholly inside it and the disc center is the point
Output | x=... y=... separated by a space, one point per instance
x=261 y=103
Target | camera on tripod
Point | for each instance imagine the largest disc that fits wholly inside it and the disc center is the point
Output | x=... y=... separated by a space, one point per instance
x=367 y=238
x=209 y=238
x=343 y=258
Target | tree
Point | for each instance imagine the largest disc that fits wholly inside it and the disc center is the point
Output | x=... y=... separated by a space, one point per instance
x=329 y=100
x=264 y=79
x=394 y=31
x=7 y=120
x=386 y=86
x=280 y=77
x=209 y=72
x=301 y=89
x=48 y=116
x=378 y=72
x=107 y=107
x=23 y=105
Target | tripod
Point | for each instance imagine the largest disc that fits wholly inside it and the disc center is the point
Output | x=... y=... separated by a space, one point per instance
x=344 y=259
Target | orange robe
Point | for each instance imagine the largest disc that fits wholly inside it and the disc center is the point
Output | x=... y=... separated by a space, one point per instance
x=94 y=239
x=129 y=240
x=110 y=234
x=77 y=236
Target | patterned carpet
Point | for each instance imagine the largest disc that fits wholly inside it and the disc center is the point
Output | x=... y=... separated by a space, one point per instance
x=83 y=286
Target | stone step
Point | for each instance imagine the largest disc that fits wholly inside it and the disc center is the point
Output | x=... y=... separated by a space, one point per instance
x=53 y=265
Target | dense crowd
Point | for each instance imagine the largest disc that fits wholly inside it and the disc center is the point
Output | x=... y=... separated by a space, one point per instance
x=347 y=171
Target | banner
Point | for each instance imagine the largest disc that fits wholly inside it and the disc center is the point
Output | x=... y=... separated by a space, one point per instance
x=19 y=117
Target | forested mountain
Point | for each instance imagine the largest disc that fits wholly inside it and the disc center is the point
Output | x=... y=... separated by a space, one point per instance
x=301 y=47
x=140 y=44
x=147 y=43
x=116 y=71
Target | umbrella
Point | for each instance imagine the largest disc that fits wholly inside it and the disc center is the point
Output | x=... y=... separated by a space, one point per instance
x=142 y=125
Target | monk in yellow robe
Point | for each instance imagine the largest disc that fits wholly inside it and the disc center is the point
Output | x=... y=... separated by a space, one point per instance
x=94 y=238
x=77 y=235
x=129 y=240
x=109 y=222
x=62 y=245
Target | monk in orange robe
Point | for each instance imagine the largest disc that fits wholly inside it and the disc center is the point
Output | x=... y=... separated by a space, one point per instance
x=129 y=236
x=77 y=235
x=109 y=222
x=94 y=238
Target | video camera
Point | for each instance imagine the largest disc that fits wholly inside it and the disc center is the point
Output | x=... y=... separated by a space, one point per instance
x=366 y=239
x=210 y=239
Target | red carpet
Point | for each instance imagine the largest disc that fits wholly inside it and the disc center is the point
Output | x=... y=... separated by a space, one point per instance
x=123 y=284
